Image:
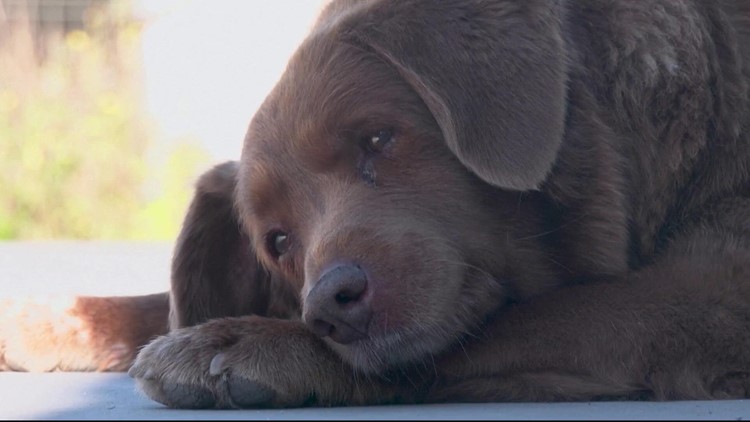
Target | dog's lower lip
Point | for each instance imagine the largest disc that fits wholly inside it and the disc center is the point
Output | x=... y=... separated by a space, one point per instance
x=348 y=340
x=353 y=343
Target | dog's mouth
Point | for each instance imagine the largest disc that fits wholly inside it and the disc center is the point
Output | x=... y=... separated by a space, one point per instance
x=376 y=328
x=402 y=335
x=376 y=353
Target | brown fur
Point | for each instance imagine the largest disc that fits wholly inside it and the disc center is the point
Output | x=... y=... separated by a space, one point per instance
x=64 y=333
x=561 y=213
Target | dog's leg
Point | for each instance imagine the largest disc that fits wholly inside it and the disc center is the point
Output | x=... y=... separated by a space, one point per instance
x=78 y=333
x=677 y=329
x=254 y=362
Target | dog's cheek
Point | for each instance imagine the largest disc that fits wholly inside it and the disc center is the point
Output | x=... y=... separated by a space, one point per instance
x=418 y=283
x=416 y=295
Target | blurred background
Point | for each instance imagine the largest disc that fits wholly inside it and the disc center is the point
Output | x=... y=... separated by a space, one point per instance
x=110 y=109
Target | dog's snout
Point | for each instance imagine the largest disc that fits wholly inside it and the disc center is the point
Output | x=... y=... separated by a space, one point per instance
x=336 y=306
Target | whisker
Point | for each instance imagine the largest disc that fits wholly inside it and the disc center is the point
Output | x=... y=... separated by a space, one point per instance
x=560 y=227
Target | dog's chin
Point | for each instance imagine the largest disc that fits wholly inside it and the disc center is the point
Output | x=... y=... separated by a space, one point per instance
x=422 y=336
x=396 y=348
x=373 y=355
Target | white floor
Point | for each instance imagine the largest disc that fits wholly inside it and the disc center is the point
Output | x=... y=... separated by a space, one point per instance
x=113 y=396
x=138 y=268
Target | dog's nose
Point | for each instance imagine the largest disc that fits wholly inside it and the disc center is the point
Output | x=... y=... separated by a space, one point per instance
x=336 y=307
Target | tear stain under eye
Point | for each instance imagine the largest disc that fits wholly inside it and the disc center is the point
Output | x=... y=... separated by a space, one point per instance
x=367 y=170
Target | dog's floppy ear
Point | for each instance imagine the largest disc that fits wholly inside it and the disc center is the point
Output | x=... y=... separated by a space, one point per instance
x=215 y=272
x=493 y=75
x=214 y=269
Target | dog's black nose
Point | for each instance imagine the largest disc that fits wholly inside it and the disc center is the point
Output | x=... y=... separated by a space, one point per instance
x=336 y=307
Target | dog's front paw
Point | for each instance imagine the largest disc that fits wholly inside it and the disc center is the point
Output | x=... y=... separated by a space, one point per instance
x=240 y=362
x=175 y=370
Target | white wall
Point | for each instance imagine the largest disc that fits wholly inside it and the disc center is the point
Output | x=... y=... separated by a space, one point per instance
x=210 y=63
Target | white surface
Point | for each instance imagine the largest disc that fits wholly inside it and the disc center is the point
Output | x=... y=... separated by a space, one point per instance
x=226 y=68
x=113 y=396
x=86 y=268
x=130 y=268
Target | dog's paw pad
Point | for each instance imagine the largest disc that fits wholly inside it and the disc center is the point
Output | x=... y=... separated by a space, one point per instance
x=248 y=393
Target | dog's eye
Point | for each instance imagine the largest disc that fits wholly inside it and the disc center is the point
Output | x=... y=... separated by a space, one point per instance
x=277 y=243
x=379 y=140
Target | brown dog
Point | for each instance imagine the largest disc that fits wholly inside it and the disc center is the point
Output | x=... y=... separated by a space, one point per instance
x=477 y=200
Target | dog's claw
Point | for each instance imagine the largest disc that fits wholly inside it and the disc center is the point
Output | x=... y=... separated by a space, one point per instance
x=217 y=364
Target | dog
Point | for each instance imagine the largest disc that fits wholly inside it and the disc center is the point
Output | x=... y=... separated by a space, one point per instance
x=470 y=200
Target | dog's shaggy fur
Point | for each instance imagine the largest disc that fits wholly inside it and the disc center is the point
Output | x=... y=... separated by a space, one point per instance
x=477 y=200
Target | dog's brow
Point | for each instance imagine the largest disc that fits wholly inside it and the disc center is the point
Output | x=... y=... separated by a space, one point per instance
x=263 y=185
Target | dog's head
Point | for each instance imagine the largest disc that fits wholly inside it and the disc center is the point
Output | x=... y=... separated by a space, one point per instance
x=383 y=174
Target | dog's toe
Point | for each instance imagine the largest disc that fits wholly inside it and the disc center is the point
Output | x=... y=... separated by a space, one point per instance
x=248 y=393
x=188 y=396
x=157 y=375
x=178 y=395
x=242 y=391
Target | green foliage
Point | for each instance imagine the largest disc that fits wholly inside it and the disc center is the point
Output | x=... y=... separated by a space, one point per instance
x=74 y=138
